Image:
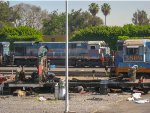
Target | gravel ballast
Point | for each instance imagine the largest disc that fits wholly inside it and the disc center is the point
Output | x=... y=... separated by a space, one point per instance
x=80 y=103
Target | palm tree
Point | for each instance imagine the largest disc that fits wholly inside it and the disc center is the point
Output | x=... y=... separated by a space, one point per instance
x=140 y=18
x=93 y=8
x=106 y=10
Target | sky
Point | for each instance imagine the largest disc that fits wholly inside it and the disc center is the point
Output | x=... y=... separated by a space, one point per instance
x=121 y=11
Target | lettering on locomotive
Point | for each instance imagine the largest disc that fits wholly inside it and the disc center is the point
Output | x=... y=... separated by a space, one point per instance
x=133 y=58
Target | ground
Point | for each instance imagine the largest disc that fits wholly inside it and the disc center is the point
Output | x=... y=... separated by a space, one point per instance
x=127 y=107
x=80 y=103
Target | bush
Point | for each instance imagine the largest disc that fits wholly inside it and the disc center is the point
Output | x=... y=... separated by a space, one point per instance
x=110 y=34
x=22 y=33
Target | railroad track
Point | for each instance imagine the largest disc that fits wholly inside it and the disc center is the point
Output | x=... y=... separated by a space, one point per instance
x=60 y=72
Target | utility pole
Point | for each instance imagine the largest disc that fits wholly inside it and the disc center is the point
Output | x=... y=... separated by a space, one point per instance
x=67 y=95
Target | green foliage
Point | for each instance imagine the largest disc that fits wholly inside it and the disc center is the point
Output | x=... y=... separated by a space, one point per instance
x=93 y=8
x=6 y=14
x=105 y=8
x=140 y=18
x=22 y=33
x=81 y=19
x=123 y=37
x=111 y=34
x=55 y=25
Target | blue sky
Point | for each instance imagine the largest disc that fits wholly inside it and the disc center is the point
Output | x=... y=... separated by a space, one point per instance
x=121 y=11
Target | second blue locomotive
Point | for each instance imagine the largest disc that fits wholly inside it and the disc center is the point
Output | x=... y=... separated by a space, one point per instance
x=81 y=53
x=135 y=52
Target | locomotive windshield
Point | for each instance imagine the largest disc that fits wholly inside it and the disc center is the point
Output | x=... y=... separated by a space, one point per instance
x=4 y=48
x=132 y=51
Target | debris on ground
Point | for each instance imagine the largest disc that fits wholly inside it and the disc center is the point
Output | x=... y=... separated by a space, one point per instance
x=42 y=99
x=4 y=97
x=19 y=93
x=115 y=90
x=142 y=101
x=96 y=99
x=136 y=97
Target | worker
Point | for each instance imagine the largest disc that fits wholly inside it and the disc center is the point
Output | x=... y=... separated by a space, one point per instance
x=132 y=73
x=22 y=74
x=18 y=70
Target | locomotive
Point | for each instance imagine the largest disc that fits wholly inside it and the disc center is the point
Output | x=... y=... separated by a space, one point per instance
x=135 y=52
x=81 y=53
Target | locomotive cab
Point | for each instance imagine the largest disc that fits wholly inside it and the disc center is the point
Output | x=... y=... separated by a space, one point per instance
x=97 y=50
x=133 y=51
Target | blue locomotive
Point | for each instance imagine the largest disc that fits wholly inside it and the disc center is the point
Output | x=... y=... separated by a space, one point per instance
x=130 y=53
x=81 y=53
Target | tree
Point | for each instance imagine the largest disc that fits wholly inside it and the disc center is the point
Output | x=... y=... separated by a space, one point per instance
x=81 y=19
x=93 y=8
x=105 y=8
x=95 y=21
x=110 y=34
x=30 y=15
x=6 y=14
x=21 y=33
x=140 y=18
x=55 y=24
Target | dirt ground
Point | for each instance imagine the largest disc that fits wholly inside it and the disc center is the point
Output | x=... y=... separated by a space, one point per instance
x=127 y=107
x=80 y=103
